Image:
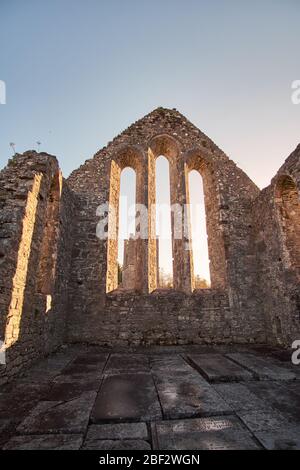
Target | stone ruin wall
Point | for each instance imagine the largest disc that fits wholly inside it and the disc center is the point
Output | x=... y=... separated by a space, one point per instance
x=229 y=195
x=58 y=280
x=35 y=239
x=276 y=215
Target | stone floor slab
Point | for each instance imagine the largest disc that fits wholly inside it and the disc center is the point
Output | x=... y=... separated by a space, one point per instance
x=97 y=359
x=282 y=358
x=80 y=379
x=283 y=439
x=125 y=363
x=117 y=431
x=65 y=391
x=18 y=399
x=169 y=363
x=46 y=369
x=217 y=433
x=47 y=442
x=116 y=436
x=127 y=397
x=7 y=428
x=59 y=417
x=187 y=394
x=240 y=398
x=217 y=368
x=280 y=396
x=263 y=420
x=131 y=444
x=4 y=423
x=263 y=369
x=294 y=387
x=81 y=373
x=79 y=369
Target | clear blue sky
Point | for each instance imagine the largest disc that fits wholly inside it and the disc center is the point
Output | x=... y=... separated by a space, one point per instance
x=79 y=72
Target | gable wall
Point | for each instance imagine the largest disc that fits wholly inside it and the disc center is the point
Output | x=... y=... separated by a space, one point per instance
x=92 y=313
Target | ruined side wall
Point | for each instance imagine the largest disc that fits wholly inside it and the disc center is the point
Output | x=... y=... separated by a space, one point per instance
x=35 y=219
x=56 y=318
x=92 y=313
x=278 y=283
x=235 y=221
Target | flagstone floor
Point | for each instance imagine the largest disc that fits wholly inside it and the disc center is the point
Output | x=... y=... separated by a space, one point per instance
x=171 y=398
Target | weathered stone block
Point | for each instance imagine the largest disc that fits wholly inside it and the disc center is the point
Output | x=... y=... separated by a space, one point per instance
x=217 y=368
x=126 y=397
x=48 y=442
x=50 y=417
x=217 y=433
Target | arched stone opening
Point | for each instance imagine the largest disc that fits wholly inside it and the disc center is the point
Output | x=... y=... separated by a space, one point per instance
x=126 y=237
x=216 y=252
x=126 y=157
x=201 y=274
x=163 y=224
x=165 y=145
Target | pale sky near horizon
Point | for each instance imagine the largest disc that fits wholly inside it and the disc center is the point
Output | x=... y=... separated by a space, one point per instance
x=79 y=72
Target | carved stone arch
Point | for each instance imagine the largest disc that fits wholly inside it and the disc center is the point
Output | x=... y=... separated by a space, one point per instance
x=133 y=157
x=196 y=160
x=287 y=202
x=129 y=156
x=166 y=145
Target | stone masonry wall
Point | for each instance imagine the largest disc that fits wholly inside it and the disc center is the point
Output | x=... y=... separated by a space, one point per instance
x=277 y=262
x=59 y=280
x=163 y=317
x=229 y=196
x=129 y=264
x=35 y=239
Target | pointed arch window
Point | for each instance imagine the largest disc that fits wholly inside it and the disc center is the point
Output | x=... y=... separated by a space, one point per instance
x=163 y=224
x=126 y=239
x=201 y=274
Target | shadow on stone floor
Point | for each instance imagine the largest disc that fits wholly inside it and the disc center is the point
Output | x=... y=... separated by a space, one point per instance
x=188 y=397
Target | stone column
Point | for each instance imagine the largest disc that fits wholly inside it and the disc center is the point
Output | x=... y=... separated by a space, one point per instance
x=182 y=253
x=113 y=228
x=141 y=243
x=152 y=243
x=129 y=264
